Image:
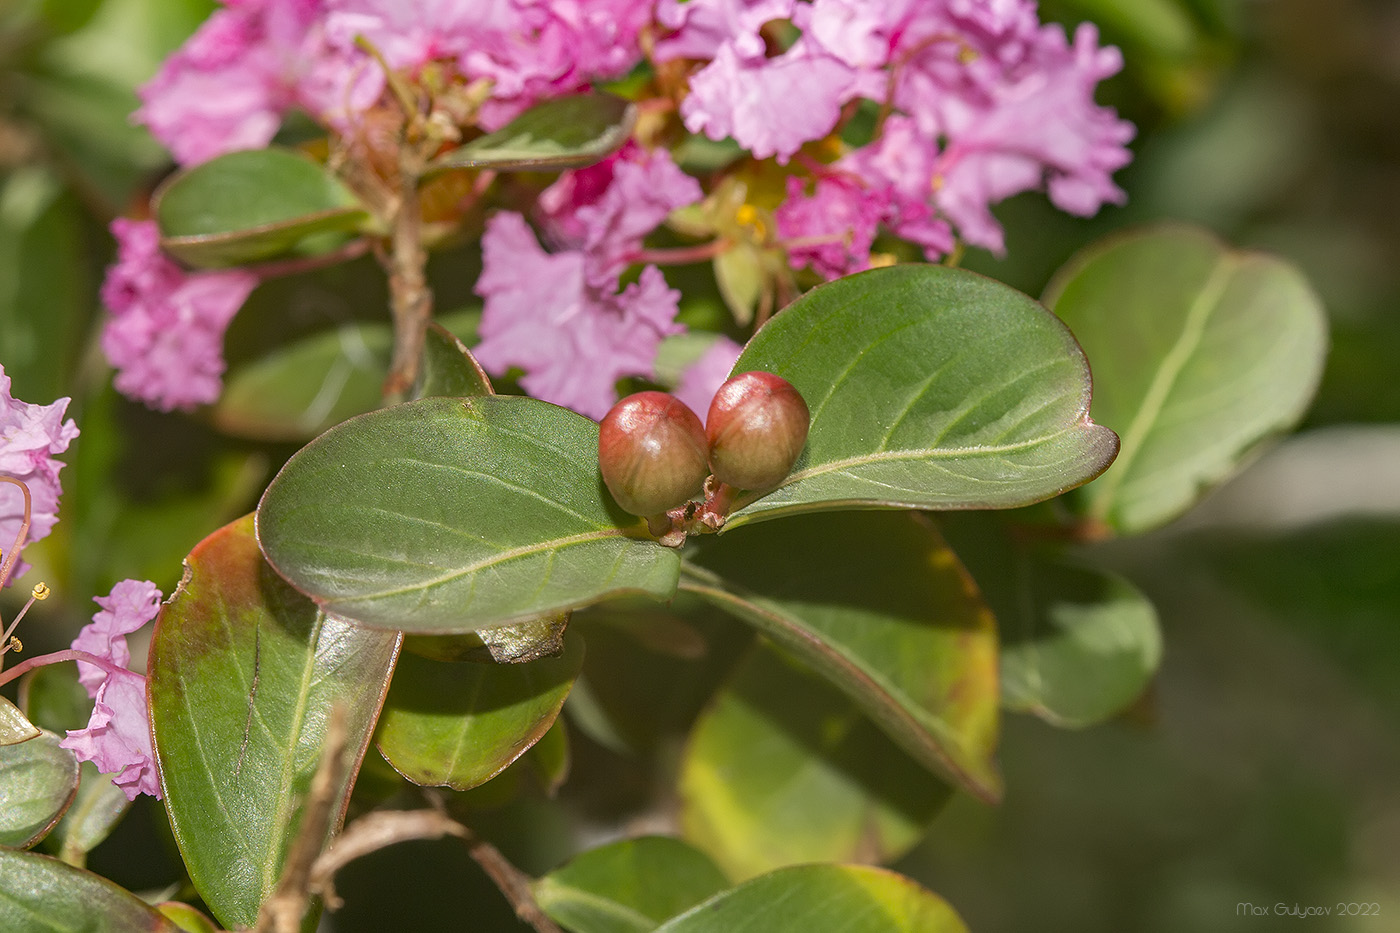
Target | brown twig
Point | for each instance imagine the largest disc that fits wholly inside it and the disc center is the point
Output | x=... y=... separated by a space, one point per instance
x=410 y=299
x=378 y=830
x=284 y=910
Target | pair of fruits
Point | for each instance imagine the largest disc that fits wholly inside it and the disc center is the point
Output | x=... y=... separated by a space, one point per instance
x=654 y=455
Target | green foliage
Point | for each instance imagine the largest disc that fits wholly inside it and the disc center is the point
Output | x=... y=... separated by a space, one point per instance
x=566 y=132
x=460 y=724
x=250 y=205
x=631 y=886
x=824 y=897
x=40 y=780
x=783 y=769
x=43 y=895
x=451 y=515
x=929 y=388
x=244 y=671
x=1200 y=351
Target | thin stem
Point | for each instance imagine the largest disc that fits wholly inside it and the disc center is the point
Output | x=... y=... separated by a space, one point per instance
x=681 y=255
x=513 y=882
x=23 y=535
x=410 y=298
x=67 y=654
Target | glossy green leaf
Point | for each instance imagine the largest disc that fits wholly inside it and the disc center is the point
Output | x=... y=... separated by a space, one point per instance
x=187 y=918
x=879 y=605
x=929 y=387
x=52 y=696
x=306 y=386
x=819 y=899
x=629 y=886
x=242 y=672
x=451 y=515
x=247 y=206
x=460 y=724
x=651 y=668
x=1078 y=645
x=448 y=369
x=783 y=768
x=566 y=132
x=37 y=782
x=96 y=810
x=551 y=758
x=1199 y=352
x=15 y=727
x=39 y=894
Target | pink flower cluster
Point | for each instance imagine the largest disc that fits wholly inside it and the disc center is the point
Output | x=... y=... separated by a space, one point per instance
x=560 y=316
x=983 y=100
x=118 y=736
x=254 y=60
x=30 y=437
x=166 y=331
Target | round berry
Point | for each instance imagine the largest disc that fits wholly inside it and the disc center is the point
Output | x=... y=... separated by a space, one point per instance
x=651 y=452
x=756 y=428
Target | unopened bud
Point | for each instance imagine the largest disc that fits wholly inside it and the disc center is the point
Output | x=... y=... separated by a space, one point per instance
x=756 y=428
x=651 y=451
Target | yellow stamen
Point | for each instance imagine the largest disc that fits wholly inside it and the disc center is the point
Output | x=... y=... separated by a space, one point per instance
x=40 y=592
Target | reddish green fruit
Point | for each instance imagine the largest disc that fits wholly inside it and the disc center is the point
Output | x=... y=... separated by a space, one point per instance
x=651 y=451
x=756 y=428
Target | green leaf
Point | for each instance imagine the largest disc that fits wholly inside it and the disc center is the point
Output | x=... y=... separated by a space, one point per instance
x=929 y=387
x=566 y=132
x=187 y=918
x=449 y=370
x=630 y=886
x=1078 y=645
x=1199 y=352
x=783 y=768
x=451 y=515
x=39 y=894
x=818 y=899
x=242 y=672
x=44 y=297
x=878 y=604
x=651 y=668
x=37 y=782
x=460 y=724
x=15 y=728
x=247 y=206
x=95 y=812
x=306 y=386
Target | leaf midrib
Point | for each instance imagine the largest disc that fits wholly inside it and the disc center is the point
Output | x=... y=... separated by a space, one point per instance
x=1160 y=389
x=510 y=554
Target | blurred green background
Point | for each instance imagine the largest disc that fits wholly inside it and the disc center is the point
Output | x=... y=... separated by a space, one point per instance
x=1263 y=767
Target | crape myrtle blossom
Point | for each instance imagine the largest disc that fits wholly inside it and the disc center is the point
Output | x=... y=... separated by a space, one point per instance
x=166 y=330
x=118 y=735
x=251 y=62
x=30 y=438
x=560 y=316
x=985 y=102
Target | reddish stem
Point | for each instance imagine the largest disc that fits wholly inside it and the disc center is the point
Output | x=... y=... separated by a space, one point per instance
x=67 y=654
x=23 y=535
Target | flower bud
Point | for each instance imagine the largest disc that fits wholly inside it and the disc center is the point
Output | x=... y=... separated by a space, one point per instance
x=651 y=452
x=756 y=428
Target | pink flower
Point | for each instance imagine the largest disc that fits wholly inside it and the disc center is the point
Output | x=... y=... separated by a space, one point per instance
x=572 y=340
x=130 y=605
x=700 y=27
x=118 y=736
x=166 y=332
x=702 y=379
x=770 y=106
x=30 y=437
x=833 y=227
